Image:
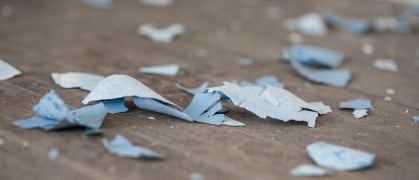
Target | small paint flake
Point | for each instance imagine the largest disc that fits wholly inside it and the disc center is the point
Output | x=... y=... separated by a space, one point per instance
x=163 y=35
x=196 y=176
x=386 y=64
x=387 y=98
x=356 y=104
x=390 y=91
x=53 y=154
x=415 y=119
x=308 y=170
x=338 y=157
x=151 y=117
x=103 y=4
x=1 y=142
x=368 y=49
x=121 y=147
x=360 y=113
x=353 y=26
x=309 y=24
x=80 y=80
x=25 y=144
x=165 y=70
x=161 y=3
x=336 y=78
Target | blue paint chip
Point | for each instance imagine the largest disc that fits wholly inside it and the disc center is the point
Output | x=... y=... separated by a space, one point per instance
x=415 y=119
x=53 y=154
x=157 y=106
x=204 y=108
x=356 y=104
x=121 y=147
x=314 y=56
x=201 y=89
x=353 y=26
x=339 y=157
x=115 y=106
x=264 y=82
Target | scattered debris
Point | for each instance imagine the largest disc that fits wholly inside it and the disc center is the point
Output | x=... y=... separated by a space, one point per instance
x=165 y=35
x=123 y=148
x=415 y=119
x=273 y=102
x=80 y=80
x=201 y=89
x=368 y=49
x=245 y=61
x=360 y=113
x=165 y=70
x=264 y=82
x=157 y=2
x=313 y=55
x=7 y=71
x=196 y=176
x=386 y=64
x=339 y=157
x=53 y=154
x=309 y=170
x=103 y=4
x=52 y=114
x=310 y=24
x=353 y=26
x=336 y=78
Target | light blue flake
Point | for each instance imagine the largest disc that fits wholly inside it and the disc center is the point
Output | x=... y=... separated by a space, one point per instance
x=201 y=89
x=336 y=78
x=204 y=107
x=339 y=157
x=114 y=106
x=123 y=148
x=264 y=82
x=89 y=116
x=51 y=106
x=103 y=4
x=53 y=154
x=356 y=104
x=353 y=26
x=314 y=55
x=36 y=122
x=7 y=71
x=415 y=119
x=157 y=106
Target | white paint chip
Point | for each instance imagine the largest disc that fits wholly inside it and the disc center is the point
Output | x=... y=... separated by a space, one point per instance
x=7 y=71
x=308 y=170
x=53 y=154
x=368 y=49
x=157 y=2
x=390 y=91
x=386 y=64
x=387 y=98
x=309 y=24
x=80 y=80
x=164 y=35
x=360 y=113
x=165 y=70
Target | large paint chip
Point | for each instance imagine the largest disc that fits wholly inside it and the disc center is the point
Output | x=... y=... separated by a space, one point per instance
x=164 y=35
x=119 y=86
x=7 y=71
x=80 y=80
x=314 y=55
x=339 y=157
x=121 y=147
x=165 y=70
x=271 y=102
x=336 y=78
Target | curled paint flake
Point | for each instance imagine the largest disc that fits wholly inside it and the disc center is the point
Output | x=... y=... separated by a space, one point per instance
x=201 y=89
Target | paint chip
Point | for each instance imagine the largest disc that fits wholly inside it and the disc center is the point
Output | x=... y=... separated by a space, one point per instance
x=123 y=148
x=353 y=26
x=80 y=80
x=7 y=71
x=264 y=82
x=308 y=170
x=336 y=78
x=360 y=113
x=102 y=4
x=165 y=70
x=415 y=119
x=386 y=64
x=339 y=157
x=164 y=35
x=312 y=55
x=201 y=89
x=356 y=104
x=53 y=154
x=163 y=3
x=309 y=24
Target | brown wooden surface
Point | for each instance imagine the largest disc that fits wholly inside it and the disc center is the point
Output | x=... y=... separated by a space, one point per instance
x=45 y=36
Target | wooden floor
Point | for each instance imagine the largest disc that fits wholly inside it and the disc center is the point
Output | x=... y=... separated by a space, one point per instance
x=45 y=36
